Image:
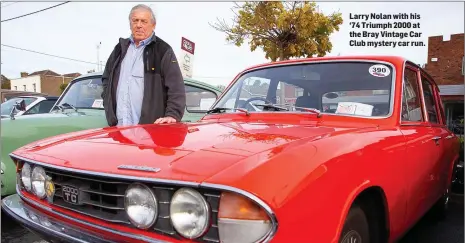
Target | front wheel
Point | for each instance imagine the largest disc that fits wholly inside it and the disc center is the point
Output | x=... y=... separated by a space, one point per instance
x=439 y=209
x=356 y=229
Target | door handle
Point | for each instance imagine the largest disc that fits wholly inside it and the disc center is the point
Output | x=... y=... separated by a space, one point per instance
x=436 y=139
x=449 y=137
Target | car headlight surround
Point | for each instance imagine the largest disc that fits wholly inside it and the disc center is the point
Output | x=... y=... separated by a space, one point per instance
x=38 y=178
x=26 y=176
x=141 y=205
x=241 y=219
x=189 y=213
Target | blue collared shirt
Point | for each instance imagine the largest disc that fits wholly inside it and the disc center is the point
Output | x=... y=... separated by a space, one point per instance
x=130 y=90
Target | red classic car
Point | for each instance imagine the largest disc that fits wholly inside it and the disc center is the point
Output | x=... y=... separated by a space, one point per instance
x=333 y=149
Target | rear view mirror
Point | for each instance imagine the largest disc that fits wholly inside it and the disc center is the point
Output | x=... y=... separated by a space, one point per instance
x=331 y=95
x=20 y=105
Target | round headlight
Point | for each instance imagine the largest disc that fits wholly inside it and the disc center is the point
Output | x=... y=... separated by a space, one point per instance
x=26 y=177
x=190 y=213
x=141 y=205
x=38 y=181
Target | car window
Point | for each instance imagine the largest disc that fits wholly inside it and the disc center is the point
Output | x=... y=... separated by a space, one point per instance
x=8 y=105
x=253 y=87
x=288 y=93
x=85 y=93
x=411 y=103
x=42 y=107
x=199 y=99
x=343 y=88
x=429 y=101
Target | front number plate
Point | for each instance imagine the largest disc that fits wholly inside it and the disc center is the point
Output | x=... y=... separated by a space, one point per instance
x=70 y=194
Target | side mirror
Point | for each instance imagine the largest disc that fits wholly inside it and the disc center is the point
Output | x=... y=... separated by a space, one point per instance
x=20 y=105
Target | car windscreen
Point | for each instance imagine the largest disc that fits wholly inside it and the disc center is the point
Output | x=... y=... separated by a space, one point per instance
x=347 y=88
x=85 y=94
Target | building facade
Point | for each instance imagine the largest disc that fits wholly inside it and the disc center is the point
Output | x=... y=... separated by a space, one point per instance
x=45 y=81
x=446 y=65
x=445 y=59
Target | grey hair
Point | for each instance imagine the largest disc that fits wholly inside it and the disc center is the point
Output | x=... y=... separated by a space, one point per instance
x=143 y=7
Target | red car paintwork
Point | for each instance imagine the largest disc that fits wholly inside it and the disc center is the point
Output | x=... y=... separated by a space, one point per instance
x=293 y=162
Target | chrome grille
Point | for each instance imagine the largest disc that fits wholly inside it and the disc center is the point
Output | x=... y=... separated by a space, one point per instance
x=103 y=198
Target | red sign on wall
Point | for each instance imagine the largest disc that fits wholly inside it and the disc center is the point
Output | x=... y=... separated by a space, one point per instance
x=187 y=45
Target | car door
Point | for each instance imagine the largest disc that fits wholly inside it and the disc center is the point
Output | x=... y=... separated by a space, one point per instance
x=439 y=132
x=421 y=151
x=444 y=137
x=198 y=102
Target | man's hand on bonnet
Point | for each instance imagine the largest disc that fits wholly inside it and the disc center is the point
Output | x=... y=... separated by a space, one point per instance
x=167 y=119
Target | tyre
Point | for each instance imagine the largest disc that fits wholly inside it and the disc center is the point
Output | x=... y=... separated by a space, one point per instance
x=439 y=210
x=356 y=228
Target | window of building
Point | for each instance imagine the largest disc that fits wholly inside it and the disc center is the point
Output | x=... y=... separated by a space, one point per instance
x=24 y=87
x=34 y=87
x=16 y=87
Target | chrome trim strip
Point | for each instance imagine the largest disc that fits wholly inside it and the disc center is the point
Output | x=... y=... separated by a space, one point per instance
x=422 y=95
x=109 y=175
x=99 y=192
x=404 y=66
x=392 y=94
x=414 y=125
x=136 y=237
x=90 y=215
x=269 y=211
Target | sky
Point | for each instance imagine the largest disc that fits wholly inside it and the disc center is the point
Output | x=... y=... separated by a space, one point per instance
x=73 y=30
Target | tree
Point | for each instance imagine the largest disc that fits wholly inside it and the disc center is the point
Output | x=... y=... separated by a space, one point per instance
x=63 y=87
x=282 y=29
x=6 y=84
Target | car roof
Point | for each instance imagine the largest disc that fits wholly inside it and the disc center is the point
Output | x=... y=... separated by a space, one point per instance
x=30 y=96
x=393 y=59
x=89 y=75
x=189 y=80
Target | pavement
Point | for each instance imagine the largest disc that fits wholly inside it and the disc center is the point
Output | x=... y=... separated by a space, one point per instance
x=427 y=230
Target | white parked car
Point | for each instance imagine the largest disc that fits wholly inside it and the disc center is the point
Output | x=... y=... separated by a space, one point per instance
x=32 y=105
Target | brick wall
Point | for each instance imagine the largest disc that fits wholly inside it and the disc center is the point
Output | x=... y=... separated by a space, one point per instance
x=448 y=67
x=51 y=84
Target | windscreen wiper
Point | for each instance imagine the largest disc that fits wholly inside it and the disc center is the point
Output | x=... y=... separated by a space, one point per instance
x=313 y=110
x=61 y=108
x=68 y=105
x=223 y=109
x=272 y=106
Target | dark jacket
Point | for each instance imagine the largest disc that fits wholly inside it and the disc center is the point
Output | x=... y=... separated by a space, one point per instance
x=164 y=92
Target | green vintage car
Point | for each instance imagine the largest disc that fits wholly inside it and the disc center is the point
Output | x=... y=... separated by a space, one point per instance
x=79 y=108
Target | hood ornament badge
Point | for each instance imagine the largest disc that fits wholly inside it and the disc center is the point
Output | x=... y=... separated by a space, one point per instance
x=139 y=168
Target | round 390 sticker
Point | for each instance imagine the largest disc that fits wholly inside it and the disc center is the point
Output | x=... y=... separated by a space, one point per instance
x=379 y=70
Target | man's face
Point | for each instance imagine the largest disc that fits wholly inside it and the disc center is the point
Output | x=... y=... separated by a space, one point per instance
x=141 y=25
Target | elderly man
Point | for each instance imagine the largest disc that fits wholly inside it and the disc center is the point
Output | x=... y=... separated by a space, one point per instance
x=142 y=81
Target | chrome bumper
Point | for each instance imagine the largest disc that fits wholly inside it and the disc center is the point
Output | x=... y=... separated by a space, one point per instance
x=50 y=228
